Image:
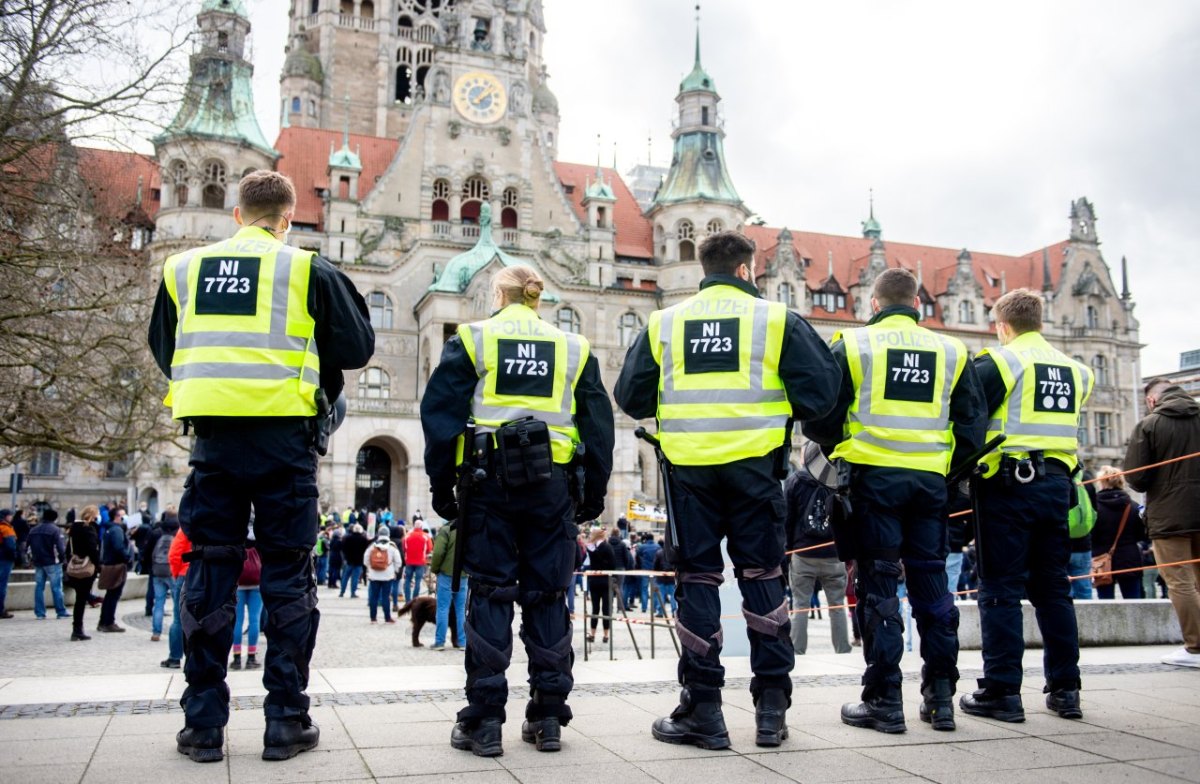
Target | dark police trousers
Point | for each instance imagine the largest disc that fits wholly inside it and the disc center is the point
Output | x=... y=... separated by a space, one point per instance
x=1023 y=550
x=743 y=502
x=899 y=515
x=520 y=547
x=271 y=464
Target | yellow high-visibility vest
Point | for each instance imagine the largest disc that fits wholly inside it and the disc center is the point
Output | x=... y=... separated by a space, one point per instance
x=720 y=397
x=903 y=378
x=526 y=367
x=1046 y=391
x=244 y=344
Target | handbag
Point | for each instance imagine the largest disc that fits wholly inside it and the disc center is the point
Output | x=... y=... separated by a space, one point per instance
x=1102 y=564
x=80 y=567
x=111 y=576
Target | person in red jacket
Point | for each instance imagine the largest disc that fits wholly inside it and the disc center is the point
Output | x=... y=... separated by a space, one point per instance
x=418 y=546
x=179 y=545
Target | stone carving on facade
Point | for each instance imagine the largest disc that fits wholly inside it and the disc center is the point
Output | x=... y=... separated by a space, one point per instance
x=451 y=27
x=441 y=87
x=510 y=40
x=535 y=14
x=454 y=129
x=505 y=134
x=401 y=346
x=516 y=99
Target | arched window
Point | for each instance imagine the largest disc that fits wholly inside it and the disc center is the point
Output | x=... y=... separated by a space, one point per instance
x=628 y=328
x=312 y=108
x=567 y=320
x=475 y=192
x=375 y=383
x=315 y=6
x=213 y=194
x=508 y=210
x=714 y=226
x=296 y=104
x=441 y=200
x=787 y=294
x=1093 y=317
x=222 y=41
x=1100 y=368
x=367 y=10
x=179 y=176
x=687 y=241
x=380 y=307
x=966 y=312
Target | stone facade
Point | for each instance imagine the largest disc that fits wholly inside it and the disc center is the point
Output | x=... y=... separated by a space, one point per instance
x=440 y=112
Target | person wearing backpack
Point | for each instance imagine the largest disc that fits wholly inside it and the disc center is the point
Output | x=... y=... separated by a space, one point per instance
x=249 y=607
x=158 y=566
x=1081 y=520
x=808 y=506
x=382 y=561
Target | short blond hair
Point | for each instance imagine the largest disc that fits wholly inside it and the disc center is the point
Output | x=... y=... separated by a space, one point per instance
x=1110 y=478
x=263 y=192
x=1020 y=309
x=518 y=285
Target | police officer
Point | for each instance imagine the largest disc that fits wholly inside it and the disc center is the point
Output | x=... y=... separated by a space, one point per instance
x=520 y=521
x=725 y=372
x=909 y=407
x=1034 y=393
x=253 y=335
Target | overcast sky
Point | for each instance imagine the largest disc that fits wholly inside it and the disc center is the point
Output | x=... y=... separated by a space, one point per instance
x=976 y=124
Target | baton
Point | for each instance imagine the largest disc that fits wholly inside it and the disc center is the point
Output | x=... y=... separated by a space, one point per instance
x=664 y=470
x=966 y=467
x=469 y=475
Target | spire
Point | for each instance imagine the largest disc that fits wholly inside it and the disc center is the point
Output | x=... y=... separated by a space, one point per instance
x=346 y=123
x=871 y=229
x=697 y=79
x=614 y=156
x=1046 y=269
x=697 y=64
x=649 y=149
x=1124 y=275
x=344 y=158
x=920 y=277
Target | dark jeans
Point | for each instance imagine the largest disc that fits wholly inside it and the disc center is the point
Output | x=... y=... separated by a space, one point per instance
x=1130 y=584
x=83 y=591
x=521 y=551
x=270 y=464
x=899 y=515
x=1023 y=548
x=601 y=591
x=378 y=595
x=108 y=610
x=743 y=503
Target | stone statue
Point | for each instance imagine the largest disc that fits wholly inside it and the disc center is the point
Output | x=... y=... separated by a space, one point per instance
x=450 y=27
x=441 y=87
x=510 y=39
x=516 y=100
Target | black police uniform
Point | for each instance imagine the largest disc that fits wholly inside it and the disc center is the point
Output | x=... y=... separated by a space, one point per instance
x=741 y=501
x=899 y=515
x=520 y=544
x=270 y=463
x=1023 y=547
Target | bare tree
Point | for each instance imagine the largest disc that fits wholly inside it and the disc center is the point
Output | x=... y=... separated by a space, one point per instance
x=76 y=285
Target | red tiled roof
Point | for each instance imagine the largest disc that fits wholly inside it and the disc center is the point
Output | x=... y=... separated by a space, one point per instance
x=305 y=159
x=113 y=179
x=851 y=254
x=634 y=237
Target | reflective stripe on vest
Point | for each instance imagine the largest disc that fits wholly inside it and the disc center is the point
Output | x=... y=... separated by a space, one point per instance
x=262 y=363
x=491 y=409
x=895 y=431
x=718 y=416
x=1052 y=432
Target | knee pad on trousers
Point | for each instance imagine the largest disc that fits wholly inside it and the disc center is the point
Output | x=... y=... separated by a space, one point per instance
x=776 y=623
x=217 y=620
x=492 y=657
x=886 y=567
x=697 y=644
x=942 y=612
x=877 y=611
x=556 y=658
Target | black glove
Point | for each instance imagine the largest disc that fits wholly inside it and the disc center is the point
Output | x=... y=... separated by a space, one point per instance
x=444 y=503
x=588 y=511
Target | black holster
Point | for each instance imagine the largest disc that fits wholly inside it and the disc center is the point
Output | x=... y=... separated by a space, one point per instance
x=577 y=476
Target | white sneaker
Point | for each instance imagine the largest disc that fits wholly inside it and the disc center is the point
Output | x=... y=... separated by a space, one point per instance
x=1182 y=658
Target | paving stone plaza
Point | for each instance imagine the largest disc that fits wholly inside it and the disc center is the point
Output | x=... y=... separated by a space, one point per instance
x=104 y=711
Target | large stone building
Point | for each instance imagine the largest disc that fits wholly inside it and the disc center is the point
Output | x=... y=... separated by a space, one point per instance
x=421 y=136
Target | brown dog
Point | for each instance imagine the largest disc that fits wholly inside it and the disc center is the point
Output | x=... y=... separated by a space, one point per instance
x=424 y=610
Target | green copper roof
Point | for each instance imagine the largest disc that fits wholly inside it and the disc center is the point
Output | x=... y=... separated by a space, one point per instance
x=698 y=79
x=598 y=188
x=457 y=275
x=698 y=171
x=219 y=104
x=228 y=6
x=870 y=227
x=344 y=158
x=301 y=62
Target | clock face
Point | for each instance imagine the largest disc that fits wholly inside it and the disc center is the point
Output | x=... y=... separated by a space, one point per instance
x=480 y=97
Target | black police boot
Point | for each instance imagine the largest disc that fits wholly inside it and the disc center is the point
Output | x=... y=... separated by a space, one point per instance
x=1005 y=707
x=883 y=714
x=285 y=738
x=937 y=707
x=545 y=733
x=1065 y=702
x=697 y=723
x=482 y=741
x=770 y=718
x=201 y=745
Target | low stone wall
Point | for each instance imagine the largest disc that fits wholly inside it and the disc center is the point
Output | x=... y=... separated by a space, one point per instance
x=21 y=584
x=1101 y=622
